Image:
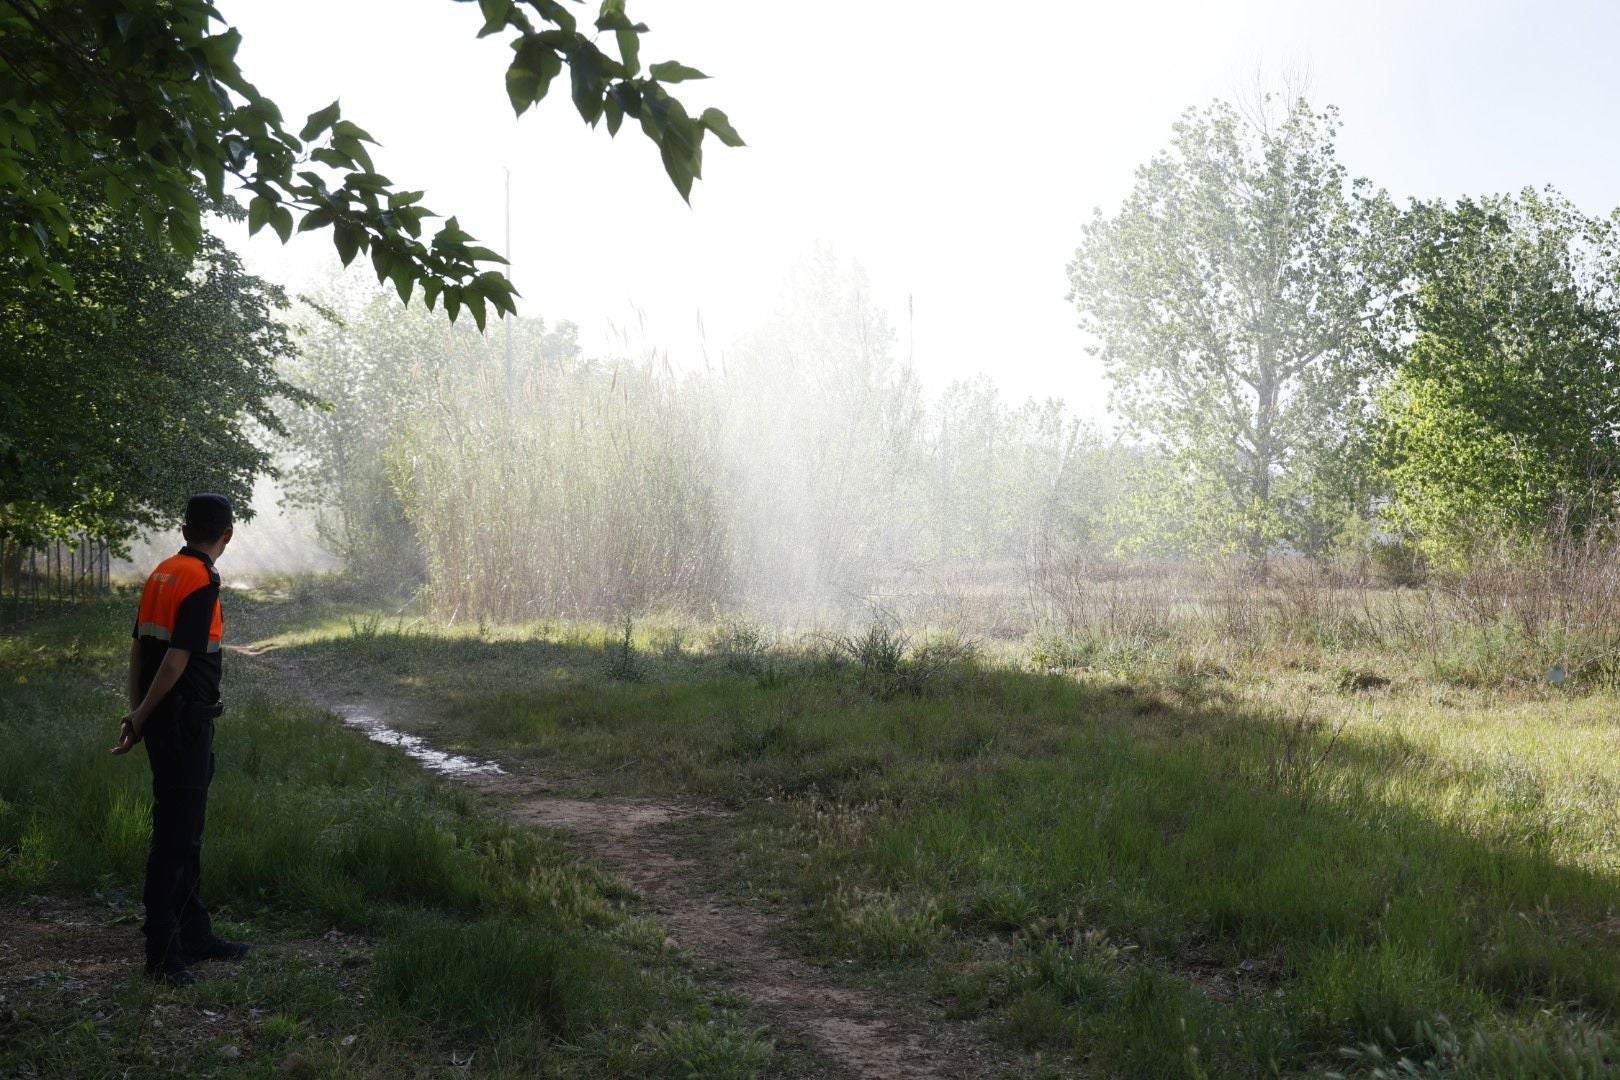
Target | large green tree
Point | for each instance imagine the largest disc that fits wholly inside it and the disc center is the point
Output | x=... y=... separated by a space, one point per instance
x=1505 y=408
x=1232 y=300
x=148 y=381
x=144 y=98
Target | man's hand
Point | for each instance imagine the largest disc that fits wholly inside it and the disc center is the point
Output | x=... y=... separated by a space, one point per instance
x=168 y=673
x=129 y=733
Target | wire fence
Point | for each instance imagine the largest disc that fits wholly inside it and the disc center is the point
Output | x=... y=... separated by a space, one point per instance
x=38 y=581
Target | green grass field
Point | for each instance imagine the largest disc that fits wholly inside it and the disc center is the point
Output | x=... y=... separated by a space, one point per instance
x=1302 y=855
x=481 y=940
x=1309 y=853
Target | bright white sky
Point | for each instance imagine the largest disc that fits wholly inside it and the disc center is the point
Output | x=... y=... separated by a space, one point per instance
x=954 y=149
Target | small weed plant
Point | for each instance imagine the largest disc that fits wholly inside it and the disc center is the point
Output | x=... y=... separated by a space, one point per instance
x=623 y=662
x=881 y=650
x=741 y=647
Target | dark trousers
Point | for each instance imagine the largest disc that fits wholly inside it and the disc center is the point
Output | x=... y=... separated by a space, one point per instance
x=180 y=747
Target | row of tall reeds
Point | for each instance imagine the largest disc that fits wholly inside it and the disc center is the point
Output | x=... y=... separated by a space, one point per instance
x=789 y=477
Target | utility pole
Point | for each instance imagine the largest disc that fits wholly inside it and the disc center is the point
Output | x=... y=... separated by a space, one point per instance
x=507 y=318
x=911 y=330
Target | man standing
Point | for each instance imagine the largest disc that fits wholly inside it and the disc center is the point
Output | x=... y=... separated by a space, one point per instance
x=174 y=671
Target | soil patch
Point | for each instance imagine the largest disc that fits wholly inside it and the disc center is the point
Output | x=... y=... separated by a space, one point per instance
x=72 y=965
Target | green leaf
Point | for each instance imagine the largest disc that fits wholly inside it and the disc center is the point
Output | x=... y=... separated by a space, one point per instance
x=680 y=136
x=430 y=291
x=495 y=13
x=670 y=71
x=343 y=129
x=716 y=121
x=150 y=223
x=347 y=238
x=118 y=193
x=627 y=34
x=213 y=171
x=627 y=97
x=530 y=75
x=326 y=155
x=451 y=233
x=522 y=87
x=354 y=148
x=281 y=220
x=499 y=291
x=614 y=113
x=629 y=50
x=404 y=280
x=318 y=218
x=556 y=13
x=185 y=233
x=220 y=49
x=410 y=218
x=259 y=213
x=375 y=183
x=589 y=82
x=26 y=243
x=319 y=121
x=651 y=125
x=678 y=165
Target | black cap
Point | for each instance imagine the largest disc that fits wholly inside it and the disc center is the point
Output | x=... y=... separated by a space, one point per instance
x=208 y=513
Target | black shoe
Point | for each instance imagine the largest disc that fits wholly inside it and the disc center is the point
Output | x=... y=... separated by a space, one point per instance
x=170 y=974
x=215 y=948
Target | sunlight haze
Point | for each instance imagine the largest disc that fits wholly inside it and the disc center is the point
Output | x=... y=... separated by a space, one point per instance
x=954 y=157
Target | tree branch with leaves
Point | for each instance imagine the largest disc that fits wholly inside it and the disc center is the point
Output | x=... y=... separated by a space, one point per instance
x=146 y=100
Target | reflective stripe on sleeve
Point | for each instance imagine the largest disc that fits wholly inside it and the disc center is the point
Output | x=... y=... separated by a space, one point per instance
x=154 y=630
x=213 y=646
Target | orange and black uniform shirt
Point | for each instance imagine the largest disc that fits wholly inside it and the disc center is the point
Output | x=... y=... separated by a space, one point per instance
x=180 y=609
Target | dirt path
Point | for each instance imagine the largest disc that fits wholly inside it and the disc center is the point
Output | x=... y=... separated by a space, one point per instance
x=849 y=1030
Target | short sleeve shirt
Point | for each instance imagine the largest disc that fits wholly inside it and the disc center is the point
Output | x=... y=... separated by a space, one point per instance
x=180 y=609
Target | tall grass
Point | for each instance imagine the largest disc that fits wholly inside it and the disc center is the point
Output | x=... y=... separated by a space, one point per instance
x=595 y=489
x=1512 y=614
